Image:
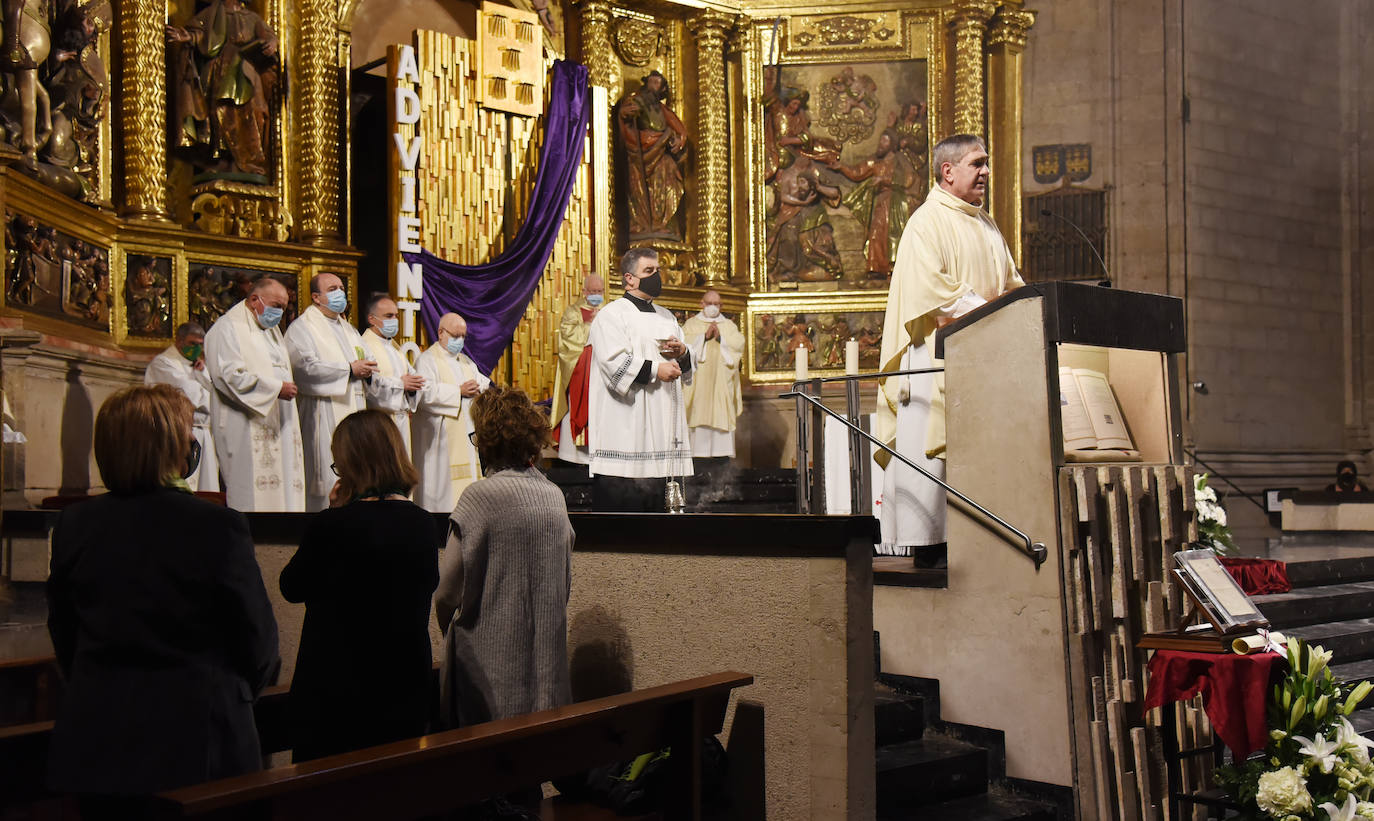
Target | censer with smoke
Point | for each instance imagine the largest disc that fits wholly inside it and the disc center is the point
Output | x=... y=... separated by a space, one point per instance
x=674 y=499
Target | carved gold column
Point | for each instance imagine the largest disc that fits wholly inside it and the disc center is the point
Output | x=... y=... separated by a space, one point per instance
x=144 y=107
x=1006 y=42
x=603 y=70
x=742 y=46
x=712 y=148
x=319 y=112
x=970 y=23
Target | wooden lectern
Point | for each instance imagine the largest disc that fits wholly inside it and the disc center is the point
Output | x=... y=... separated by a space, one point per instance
x=1049 y=656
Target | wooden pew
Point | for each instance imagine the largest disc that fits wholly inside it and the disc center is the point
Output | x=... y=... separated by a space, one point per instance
x=444 y=771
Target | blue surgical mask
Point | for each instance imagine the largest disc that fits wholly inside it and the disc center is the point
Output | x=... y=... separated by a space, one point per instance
x=390 y=327
x=455 y=345
x=594 y=299
x=337 y=300
x=270 y=316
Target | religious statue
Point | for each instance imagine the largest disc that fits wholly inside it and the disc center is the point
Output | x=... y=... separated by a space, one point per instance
x=29 y=246
x=224 y=70
x=913 y=143
x=87 y=287
x=54 y=88
x=771 y=341
x=880 y=202
x=833 y=346
x=655 y=143
x=797 y=212
x=787 y=134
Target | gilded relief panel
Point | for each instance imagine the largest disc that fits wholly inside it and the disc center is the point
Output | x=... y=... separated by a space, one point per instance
x=212 y=289
x=54 y=274
x=821 y=328
x=847 y=106
x=146 y=313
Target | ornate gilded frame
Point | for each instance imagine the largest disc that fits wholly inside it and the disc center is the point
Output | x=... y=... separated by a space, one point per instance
x=792 y=304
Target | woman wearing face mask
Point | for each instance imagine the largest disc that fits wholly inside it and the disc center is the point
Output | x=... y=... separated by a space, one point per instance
x=159 y=620
x=1347 y=479
x=365 y=570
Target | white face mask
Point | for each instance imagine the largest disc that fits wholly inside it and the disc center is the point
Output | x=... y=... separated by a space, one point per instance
x=711 y=311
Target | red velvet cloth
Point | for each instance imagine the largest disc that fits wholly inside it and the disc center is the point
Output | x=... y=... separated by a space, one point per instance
x=1235 y=691
x=577 y=398
x=1258 y=576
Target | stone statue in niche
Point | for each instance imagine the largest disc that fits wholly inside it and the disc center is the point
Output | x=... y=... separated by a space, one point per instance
x=880 y=201
x=54 y=89
x=655 y=144
x=225 y=72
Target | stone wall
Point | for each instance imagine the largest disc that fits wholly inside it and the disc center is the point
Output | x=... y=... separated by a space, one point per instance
x=1229 y=135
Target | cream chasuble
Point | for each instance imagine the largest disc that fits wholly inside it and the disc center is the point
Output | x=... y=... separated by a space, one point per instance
x=713 y=398
x=257 y=435
x=635 y=430
x=573 y=331
x=322 y=353
x=171 y=368
x=440 y=447
x=949 y=249
x=388 y=395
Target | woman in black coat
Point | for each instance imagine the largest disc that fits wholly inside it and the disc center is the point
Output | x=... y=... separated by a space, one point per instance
x=159 y=620
x=366 y=569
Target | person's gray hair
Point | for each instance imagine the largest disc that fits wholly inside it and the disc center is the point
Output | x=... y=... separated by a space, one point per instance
x=952 y=149
x=265 y=282
x=188 y=329
x=632 y=258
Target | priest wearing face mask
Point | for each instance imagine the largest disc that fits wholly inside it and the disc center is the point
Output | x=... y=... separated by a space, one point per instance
x=182 y=366
x=569 y=417
x=441 y=444
x=335 y=376
x=714 y=397
x=402 y=396
x=252 y=409
x=637 y=425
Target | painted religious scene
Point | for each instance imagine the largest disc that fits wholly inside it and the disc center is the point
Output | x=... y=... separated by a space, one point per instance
x=214 y=289
x=52 y=273
x=822 y=334
x=148 y=297
x=846 y=161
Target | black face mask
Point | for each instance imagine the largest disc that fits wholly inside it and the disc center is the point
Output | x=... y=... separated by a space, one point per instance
x=651 y=285
x=1346 y=480
x=192 y=460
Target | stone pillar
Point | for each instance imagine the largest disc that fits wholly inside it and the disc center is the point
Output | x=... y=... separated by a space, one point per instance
x=1006 y=43
x=969 y=23
x=143 y=84
x=712 y=148
x=319 y=115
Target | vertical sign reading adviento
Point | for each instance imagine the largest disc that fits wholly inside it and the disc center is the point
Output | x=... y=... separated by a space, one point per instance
x=407 y=280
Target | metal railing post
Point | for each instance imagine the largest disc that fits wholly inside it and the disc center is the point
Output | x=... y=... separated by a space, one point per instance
x=858 y=462
x=803 y=449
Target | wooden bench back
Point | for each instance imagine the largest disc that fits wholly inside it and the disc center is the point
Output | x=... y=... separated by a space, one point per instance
x=439 y=772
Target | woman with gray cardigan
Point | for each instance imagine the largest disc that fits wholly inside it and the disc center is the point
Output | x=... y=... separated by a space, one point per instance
x=502 y=599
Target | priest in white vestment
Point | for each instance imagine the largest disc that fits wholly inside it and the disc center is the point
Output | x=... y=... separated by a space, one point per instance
x=334 y=375
x=574 y=326
x=253 y=410
x=441 y=444
x=637 y=419
x=383 y=324
x=713 y=396
x=182 y=366
x=951 y=259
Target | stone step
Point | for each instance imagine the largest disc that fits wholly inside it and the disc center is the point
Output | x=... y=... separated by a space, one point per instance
x=1350 y=640
x=1317 y=572
x=995 y=805
x=933 y=769
x=897 y=717
x=1363 y=721
x=1355 y=671
x=1321 y=603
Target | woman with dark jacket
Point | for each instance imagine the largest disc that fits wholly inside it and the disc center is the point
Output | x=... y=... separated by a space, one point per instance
x=159 y=620
x=365 y=570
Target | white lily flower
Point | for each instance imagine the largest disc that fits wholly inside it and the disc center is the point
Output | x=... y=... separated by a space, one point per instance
x=1356 y=744
x=1322 y=753
x=1345 y=812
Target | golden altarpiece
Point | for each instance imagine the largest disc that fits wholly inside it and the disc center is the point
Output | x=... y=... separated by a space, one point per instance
x=796 y=142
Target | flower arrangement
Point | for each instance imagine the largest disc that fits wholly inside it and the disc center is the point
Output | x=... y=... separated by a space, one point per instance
x=1212 y=529
x=1315 y=766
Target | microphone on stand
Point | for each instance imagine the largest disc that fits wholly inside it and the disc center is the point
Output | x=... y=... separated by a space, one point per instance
x=1106 y=277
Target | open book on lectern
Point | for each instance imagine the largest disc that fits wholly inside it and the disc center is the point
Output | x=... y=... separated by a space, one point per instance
x=1094 y=429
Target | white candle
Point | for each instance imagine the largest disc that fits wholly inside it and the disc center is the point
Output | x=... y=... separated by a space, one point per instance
x=851 y=358
x=801 y=364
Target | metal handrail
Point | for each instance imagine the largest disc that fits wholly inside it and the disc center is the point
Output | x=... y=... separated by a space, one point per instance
x=1036 y=551
x=1223 y=478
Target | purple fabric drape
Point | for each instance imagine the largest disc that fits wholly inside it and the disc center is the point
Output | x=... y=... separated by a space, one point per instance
x=492 y=297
